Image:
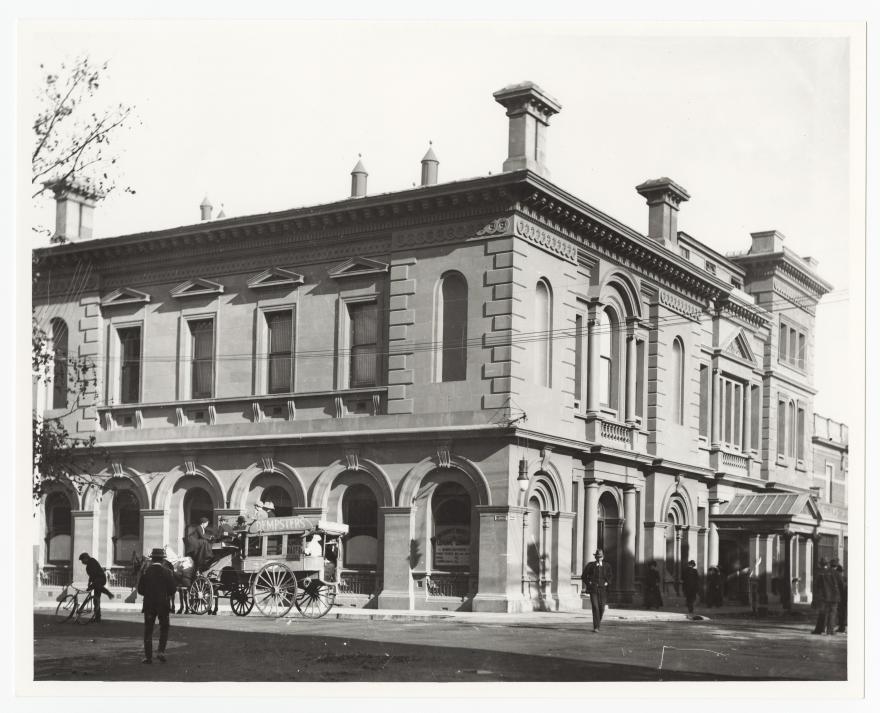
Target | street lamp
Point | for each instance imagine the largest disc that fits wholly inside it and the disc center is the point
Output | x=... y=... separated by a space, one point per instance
x=522 y=480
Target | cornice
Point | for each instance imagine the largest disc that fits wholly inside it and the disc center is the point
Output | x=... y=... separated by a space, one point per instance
x=680 y=306
x=787 y=263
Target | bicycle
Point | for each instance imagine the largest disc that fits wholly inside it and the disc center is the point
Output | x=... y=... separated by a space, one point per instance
x=70 y=607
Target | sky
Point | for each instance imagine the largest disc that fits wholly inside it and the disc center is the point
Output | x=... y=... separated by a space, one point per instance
x=263 y=116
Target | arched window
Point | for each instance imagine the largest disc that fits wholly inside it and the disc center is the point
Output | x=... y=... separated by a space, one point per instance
x=792 y=429
x=360 y=512
x=677 y=378
x=543 y=333
x=59 y=374
x=126 y=526
x=196 y=505
x=451 y=510
x=780 y=428
x=58 y=529
x=452 y=314
x=609 y=357
x=278 y=496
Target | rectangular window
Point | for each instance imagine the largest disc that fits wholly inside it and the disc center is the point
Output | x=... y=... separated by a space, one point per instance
x=780 y=428
x=737 y=414
x=727 y=411
x=801 y=415
x=640 y=378
x=792 y=346
x=202 y=332
x=829 y=482
x=756 y=418
x=685 y=253
x=704 y=400
x=130 y=365
x=364 y=341
x=578 y=357
x=802 y=350
x=783 y=342
x=279 y=327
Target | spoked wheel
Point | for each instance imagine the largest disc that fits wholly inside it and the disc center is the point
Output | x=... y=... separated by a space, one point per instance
x=200 y=595
x=85 y=611
x=66 y=608
x=240 y=600
x=315 y=598
x=273 y=589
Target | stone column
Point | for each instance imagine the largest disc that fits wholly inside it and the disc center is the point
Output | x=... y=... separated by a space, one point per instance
x=756 y=566
x=83 y=538
x=628 y=549
x=593 y=371
x=795 y=554
x=153 y=530
x=765 y=582
x=561 y=573
x=716 y=408
x=545 y=552
x=630 y=377
x=712 y=553
x=397 y=585
x=787 y=590
x=500 y=538
x=591 y=519
x=577 y=488
x=808 y=562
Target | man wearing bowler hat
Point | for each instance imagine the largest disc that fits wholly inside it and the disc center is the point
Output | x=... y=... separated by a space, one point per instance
x=157 y=587
x=596 y=579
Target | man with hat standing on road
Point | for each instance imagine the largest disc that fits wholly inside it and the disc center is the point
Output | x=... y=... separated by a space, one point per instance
x=157 y=587
x=596 y=579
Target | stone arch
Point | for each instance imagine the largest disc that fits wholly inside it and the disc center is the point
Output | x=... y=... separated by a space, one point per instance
x=679 y=500
x=411 y=482
x=215 y=488
x=102 y=504
x=610 y=495
x=92 y=497
x=320 y=494
x=238 y=493
x=626 y=289
x=548 y=474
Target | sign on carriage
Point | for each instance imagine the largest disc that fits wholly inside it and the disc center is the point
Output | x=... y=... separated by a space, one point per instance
x=295 y=523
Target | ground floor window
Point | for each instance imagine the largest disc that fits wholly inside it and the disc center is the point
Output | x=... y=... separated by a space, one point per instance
x=58 y=529
x=451 y=542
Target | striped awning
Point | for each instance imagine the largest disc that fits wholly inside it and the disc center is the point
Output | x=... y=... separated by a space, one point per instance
x=769 y=509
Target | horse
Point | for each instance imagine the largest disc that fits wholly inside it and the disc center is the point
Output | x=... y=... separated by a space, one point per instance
x=182 y=568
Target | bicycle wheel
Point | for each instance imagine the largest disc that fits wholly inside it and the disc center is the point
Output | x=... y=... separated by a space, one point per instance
x=66 y=608
x=86 y=611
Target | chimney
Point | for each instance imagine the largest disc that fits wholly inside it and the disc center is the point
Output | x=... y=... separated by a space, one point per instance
x=767 y=241
x=359 y=180
x=206 y=208
x=429 y=167
x=529 y=109
x=664 y=196
x=74 y=210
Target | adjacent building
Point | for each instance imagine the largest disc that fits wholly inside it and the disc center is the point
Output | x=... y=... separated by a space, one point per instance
x=486 y=379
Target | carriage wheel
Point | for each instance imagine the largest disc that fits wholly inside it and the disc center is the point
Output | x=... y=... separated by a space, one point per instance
x=240 y=600
x=66 y=608
x=200 y=595
x=273 y=589
x=315 y=598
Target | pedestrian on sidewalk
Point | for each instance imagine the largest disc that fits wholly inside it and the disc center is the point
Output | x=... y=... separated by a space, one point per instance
x=157 y=586
x=653 y=597
x=596 y=578
x=714 y=582
x=825 y=598
x=97 y=582
x=840 y=579
x=690 y=583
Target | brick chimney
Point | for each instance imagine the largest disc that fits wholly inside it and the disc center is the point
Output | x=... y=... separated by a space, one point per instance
x=359 y=180
x=529 y=109
x=74 y=210
x=664 y=196
x=429 y=167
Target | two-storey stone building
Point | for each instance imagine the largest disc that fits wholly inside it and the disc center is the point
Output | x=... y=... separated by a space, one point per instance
x=486 y=379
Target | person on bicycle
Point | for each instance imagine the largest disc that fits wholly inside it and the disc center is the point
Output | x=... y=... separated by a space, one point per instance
x=97 y=581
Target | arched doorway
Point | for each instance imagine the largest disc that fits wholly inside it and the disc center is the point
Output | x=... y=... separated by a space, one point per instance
x=534 y=546
x=608 y=533
x=676 y=545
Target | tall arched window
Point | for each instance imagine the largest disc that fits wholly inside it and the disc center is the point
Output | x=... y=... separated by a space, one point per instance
x=453 y=309
x=126 y=526
x=543 y=333
x=677 y=378
x=792 y=430
x=278 y=496
x=59 y=374
x=58 y=529
x=609 y=357
x=451 y=510
x=196 y=505
x=780 y=428
x=360 y=512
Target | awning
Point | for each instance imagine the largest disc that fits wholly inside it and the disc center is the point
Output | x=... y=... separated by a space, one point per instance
x=770 y=512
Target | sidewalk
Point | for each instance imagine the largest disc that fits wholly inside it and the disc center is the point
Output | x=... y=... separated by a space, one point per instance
x=581 y=617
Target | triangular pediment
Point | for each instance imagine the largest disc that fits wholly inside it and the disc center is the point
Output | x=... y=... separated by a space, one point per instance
x=357 y=266
x=196 y=287
x=124 y=296
x=275 y=277
x=739 y=347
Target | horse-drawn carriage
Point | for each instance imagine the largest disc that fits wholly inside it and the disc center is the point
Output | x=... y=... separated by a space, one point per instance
x=271 y=566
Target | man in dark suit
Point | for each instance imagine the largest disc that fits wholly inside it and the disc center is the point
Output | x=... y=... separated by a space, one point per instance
x=690 y=583
x=825 y=598
x=97 y=581
x=596 y=578
x=157 y=587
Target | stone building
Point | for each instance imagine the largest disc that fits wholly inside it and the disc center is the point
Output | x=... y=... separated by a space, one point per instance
x=486 y=379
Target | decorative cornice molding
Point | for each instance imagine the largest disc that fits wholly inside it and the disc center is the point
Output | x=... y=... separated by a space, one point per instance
x=680 y=306
x=795 y=299
x=546 y=240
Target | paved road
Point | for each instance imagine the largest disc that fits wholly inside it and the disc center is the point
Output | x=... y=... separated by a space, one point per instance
x=258 y=649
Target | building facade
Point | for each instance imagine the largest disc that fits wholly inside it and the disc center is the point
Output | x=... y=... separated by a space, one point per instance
x=486 y=379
